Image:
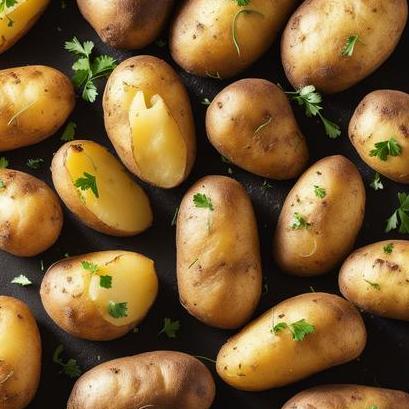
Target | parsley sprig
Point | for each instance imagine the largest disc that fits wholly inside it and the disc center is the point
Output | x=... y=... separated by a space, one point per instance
x=170 y=328
x=86 y=182
x=400 y=214
x=299 y=222
x=21 y=280
x=69 y=368
x=376 y=183
x=118 y=309
x=386 y=148
x=105 y=281
x=298 y=329
x=202 y=201
x=349 y=46
x=4 y=5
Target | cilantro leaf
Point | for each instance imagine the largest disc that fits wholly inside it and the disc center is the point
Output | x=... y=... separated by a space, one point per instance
x=4 y=163
x=35 y=163
x=386 y=148
x=320 y=192
x=349 y=46
x=69 y=132
x=75 y=47
x=400 y=217
x=299 y=222
x=298 y=329
x=69 y=368
x=118 y=310
x=21 y=280
x=376 y=183
x=91 y=267
x=87 y=182
x=170 y=328
x=388 y=248
x=202 y=201
x=105 y=281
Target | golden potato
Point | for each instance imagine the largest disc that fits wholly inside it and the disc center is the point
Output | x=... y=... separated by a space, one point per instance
x=98 y=190
x=160 y=379
x=335 y=44
x=299 y=337
x=382 y=117
x=149 y=120
x=35 y=101
x=265 y=139
x=320 y=218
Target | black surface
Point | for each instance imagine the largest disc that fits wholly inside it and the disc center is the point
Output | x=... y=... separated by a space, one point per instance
x=385 y=360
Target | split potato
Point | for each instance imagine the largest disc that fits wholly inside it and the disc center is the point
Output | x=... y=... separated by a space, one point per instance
x=265 y=139
x=149 y=120
x=35 y=101
x=220 y=38
x=160 y=379
x=98 y=190
x=320 y=218
x=382 y=117
x=20 y=352
x=297 y=338
x=218 y=257
x=335 y=44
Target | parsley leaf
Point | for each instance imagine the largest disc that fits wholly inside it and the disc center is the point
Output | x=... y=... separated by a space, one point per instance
x=376 y=183
x=299 y=329
x=69 y=368
x=21 y=280
x=4 y=163
x=388 y=248
x=170 y=328
x=118 y=310
x=4 y=5
x=202 y=201
x=2 y=184
x=349 y=46
x=299 y=222
x=386 y=148
x=87 y=182
x=400 y=214
x=242 y=3
x=376 y=286
x=91 y=267
x=105 y=281
x=69 y=132
x=320 y=192
x=35 y=163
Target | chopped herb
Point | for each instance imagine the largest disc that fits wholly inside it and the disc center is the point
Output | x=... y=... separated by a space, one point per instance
x=373 y=407
x=87 y=182
x=376 y=183
x=266 y=185
x=202 y=201
x=69 y=368
x=4 y=5
x=299 y=222
x=400 y=214
x=35 y=163
x=242 y=3
x=170 y=328
x=266 y=123
x=91 y=267
x=69 y=132
x=105 y=281
x=2 y=184
x=349 y=46
x=118 y=310
x=175 y=217
x=388 y=248
x=386 y=148
x=21 y=280
x=298 y=329
x=320 y=192
x=4 y=163
x=376 y=286
x=224 y=159
x=205 y=101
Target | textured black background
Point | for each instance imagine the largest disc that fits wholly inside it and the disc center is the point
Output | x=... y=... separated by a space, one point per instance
x=385 y=361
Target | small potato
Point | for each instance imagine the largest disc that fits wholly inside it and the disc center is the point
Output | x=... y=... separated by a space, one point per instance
x=320 y=218
x=98 y=190
x=149 y=120
x=100 y=296
x=160 y=379
x=35 y=101
x=218 y=256
x=314 y=45
x=30 y=214
x=265 y=139
x=381 y=116
x=20 y=352
x=268 y=352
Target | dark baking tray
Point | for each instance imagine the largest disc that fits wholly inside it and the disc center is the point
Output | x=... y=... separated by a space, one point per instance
x=385 y=361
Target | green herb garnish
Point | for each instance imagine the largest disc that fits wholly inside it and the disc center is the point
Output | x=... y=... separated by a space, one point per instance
x=298 y=329
x=87 y=182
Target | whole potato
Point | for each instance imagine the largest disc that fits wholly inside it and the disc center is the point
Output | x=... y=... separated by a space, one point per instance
x=320 y=218
x=20 y=352
x=299 y=337
x=382 y=117
x=265 y=139
x=98 y=190
x=100 y=296
x=126 y=23
x=160 y=379
x=31 y=218
x=218 y=257
x=149 y=120
x=35 y=101
x=335 y=44
x=220 y=38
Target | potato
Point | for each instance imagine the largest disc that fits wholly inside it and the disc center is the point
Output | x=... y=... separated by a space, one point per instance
x=149 y=120
x=20 y=352
x=320 y=218
x=348 y=397
x=127 y=24
x=98 y=190
x=265 y=139
x=314 y=46
x=218 y=38
x=35 y=101
x=218 y=257
x=381 y=116
x=30 y=214
x=160 y=379
x=85 y=295
x=15 y=21
x=267 y=354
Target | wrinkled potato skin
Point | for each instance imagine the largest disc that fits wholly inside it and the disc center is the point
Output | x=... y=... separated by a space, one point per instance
x=201 y=39
x=312 y=43
x=223 y=287
x=278 y=150
x=160 y=379
x=335 y=219
x=381 y=115
x=255 y=359
x=129 y=24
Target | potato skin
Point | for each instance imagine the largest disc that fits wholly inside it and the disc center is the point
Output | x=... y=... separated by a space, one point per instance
x=129 y=24
x=335 y=219
x=312 y=42
x=246 y=360
x=161 y=379
x=277 y=150
x=218 y=257
x=382 y=115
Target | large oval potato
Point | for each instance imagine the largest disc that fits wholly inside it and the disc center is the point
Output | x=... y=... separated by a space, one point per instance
x=98 y=190
x=218 y=257
x=335 y=44
x=160 y=379
x=35 y=101
x=219 y=38
x=320 y=218
x=149 y=120
x=20 y=353
x=265 y=139
x=31 y=218
x=381 y=116
x=299 y=337
x=100 y=296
